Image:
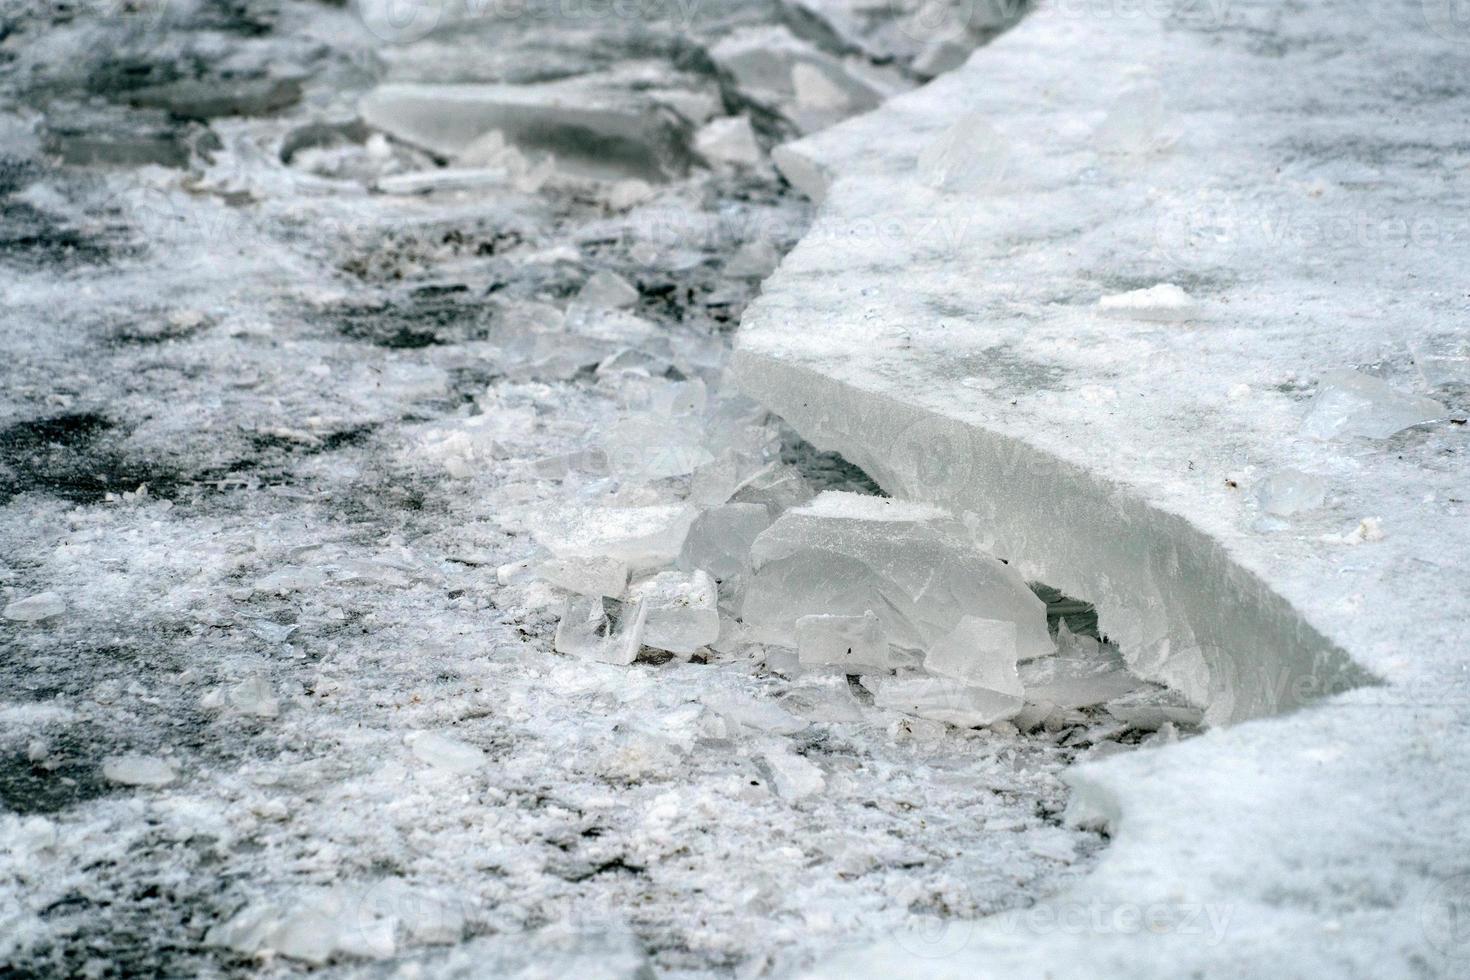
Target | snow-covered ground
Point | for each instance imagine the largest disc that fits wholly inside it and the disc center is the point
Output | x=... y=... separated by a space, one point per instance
x=286 y=399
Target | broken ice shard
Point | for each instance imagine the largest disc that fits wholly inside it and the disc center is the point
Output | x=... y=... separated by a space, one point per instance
x=968 y=157
x=1164 y=302
x=651 y=447
x=593 y=131
x=1352 y=404
x=1151 y=707
x=139 y=770
x=978 y=652
x=1136 y=123
x=1287 y=492
x=680 y=610
x=1083 y=672
x=643 y=537
x=730 y=140
x=946 y=700
x=444 y=752
x=589 y=575
x=595 y=630
x=607 y=291
x=778 y=487
x=33 y=609
x=851 y=644
x=720 y=538
x=914 y=565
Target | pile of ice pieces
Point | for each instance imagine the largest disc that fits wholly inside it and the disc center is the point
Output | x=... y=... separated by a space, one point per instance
x=697 y=541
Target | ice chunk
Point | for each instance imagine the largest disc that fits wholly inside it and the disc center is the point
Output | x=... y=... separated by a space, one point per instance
x=607 y=290
x=139 y=770
x=1352 y=404
x=1287 y=492
x=591 y=128
x=589 y=575
x=1151 y=707
x=814 y=89
x=714 y=482
x=643 y=537
x=651 y=447
x=852 y=644
x=753 y=260
x=1164 y=302
x=946 y=700
x=720 y=538
x=592 y=630
x=980 y=652
x=778 y=487
x=444 y=752
x=761 y=716
x=315 y=924
x=1137 y=122
x=846 y=553
x=254 y=696
x=681 y=611
x=730 y=140
x=449 y=179
x=794 y=777
x=1083 y=672
x=33 y=609
x=969 y=157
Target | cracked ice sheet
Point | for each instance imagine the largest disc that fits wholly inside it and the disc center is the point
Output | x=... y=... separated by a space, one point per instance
x=313 y=383
x=962 y=358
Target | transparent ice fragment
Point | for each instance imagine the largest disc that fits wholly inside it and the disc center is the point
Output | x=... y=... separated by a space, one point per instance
x=761 y=716
x=588 y=575
x=753 y=260
x=644 y=537
x=1083 y=672
x=608 y=291
x=681 y=610
x=1151 y=707
x=139 y=770
x=595 y=630
x=652 y=447
x=794 y=776
x=720 y=538
x=978 y=652
x=562 y=465
x=815 y=90
x=1349 y=403
x=444 y=752
x=1137 y=122
x=778 y=487
x=914 y=565
x=715 y=481
x=851 y=644
x=730 y=140
x=968 y=157
x=1165 y=302
x=1287 y=492
x=946 y=700
x=33 y=609
x=255 y=696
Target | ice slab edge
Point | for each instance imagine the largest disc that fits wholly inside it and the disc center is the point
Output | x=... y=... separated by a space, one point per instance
x=1117 y=455
x=1183 y=612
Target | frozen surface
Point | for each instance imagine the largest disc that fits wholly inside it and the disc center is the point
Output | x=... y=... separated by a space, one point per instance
x=307 y=429
x=1298 y=178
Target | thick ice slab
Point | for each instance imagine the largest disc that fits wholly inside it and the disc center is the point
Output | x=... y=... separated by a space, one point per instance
x=1292 y=172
